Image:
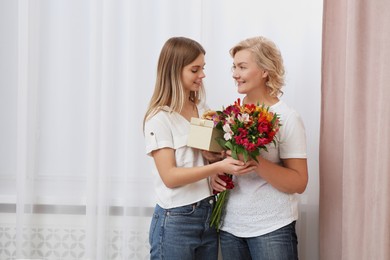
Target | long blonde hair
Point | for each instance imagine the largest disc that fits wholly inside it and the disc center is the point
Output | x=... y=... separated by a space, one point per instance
x=176 y=53
x=267 y=57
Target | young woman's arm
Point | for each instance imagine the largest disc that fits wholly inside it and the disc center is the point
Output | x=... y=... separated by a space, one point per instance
x=174 y=176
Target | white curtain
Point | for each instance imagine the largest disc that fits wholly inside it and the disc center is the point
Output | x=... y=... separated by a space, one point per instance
x=75 y=80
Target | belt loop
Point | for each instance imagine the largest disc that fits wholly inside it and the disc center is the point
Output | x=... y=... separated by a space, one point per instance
x=196 y=204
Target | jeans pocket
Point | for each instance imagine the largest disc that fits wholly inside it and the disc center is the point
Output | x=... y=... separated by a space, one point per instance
x=182 y=216
x=182 y=211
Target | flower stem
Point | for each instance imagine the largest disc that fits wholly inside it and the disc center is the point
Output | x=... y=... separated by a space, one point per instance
x=218 y=208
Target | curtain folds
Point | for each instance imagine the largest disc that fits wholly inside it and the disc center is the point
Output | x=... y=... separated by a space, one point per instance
x=354 y=143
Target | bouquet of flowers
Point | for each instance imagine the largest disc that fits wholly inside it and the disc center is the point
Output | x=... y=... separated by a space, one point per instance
x=247 y=130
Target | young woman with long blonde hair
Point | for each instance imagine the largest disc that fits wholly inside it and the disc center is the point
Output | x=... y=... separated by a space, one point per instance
x=180 y=227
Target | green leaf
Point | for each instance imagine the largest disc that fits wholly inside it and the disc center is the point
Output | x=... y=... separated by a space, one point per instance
x=245 y=156
x=221 y=142
x=240 y=150
x=234 y=153
x=274 y=119
x=254 y=157
x=229 y=145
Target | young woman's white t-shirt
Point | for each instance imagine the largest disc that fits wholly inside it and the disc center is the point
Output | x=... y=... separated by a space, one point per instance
x=170 y=129
x=254 y=206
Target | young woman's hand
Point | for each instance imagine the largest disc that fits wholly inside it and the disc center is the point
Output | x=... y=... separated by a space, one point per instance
x=237 y=167
x=217 y=184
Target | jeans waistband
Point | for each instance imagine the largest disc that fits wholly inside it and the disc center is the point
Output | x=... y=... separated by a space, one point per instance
x=206 y=202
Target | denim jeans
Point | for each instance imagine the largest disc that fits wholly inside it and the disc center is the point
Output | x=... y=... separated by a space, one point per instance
x=280 y=244
x=184 y=232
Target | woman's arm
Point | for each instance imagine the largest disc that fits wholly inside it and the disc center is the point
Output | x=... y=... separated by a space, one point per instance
x=292 y=177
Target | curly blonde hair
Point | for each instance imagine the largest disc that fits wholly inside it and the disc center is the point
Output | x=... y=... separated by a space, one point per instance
x=268 y=57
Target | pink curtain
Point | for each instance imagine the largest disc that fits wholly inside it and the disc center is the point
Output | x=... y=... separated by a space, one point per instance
x=355 y=131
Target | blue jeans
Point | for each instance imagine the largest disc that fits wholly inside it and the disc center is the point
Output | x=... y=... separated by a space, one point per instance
x=280 y=244
x=184 y=233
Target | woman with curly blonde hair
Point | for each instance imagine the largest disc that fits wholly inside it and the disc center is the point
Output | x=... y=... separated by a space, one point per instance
x=262 y=209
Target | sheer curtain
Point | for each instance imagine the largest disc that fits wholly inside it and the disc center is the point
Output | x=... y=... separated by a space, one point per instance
x=75 y=79
x=355 y=122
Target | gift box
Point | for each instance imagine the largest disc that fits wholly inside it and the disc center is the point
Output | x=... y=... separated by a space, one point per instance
x=203 y=135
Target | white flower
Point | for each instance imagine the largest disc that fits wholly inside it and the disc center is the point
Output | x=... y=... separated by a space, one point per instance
x=230 y=120
x=244 y=118
x=228 y=132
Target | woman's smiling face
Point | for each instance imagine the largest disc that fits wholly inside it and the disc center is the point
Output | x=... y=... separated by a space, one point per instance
x=246 y=73
x=193 y=74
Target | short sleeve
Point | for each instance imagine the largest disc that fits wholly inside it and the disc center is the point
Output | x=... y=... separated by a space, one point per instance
x=293 y=138
x=157 y=134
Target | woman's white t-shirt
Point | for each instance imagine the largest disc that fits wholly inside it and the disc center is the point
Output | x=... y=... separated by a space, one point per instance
x=170 y=129
x=254 y=206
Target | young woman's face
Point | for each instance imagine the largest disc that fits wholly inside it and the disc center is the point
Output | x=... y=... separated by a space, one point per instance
x=193 y=74
x=247 y=74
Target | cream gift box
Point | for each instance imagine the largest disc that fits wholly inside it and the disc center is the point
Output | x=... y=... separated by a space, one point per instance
x=203 y=135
